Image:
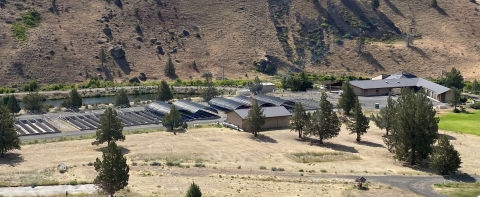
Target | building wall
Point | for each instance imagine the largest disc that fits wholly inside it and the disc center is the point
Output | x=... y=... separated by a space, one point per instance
x=276 y=122
x=267 y=89
x=235 y=119
x=370 y=92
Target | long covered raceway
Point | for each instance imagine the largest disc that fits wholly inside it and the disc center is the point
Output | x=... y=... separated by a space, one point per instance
x=275 y=101
x=246 y=101
x=226 y=105
x=195 y=111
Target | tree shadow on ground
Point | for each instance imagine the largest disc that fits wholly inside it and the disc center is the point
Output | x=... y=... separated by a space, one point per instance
x=11 y=159
x=463 y=177
x=263 y=138
x=124 y=65
x=419 y=51
x=173 y=77
x=175 y=131
x=123 y=149
x=394 y=8
x=449 y=137
x=367 y=56
x=371 y=144
x=336 y=147
x=441 y=11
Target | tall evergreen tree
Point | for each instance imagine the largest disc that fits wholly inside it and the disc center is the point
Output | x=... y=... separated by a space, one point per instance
x=455 y=99
x=361 y=41
x=102 y=56
x=13 y=105
x=475 y=87
x=194 y=191
x=415 y=129
x=73 y=100
x=121 y=98
x=255 y=118
x=209 y=92
x=255 y=86
x=386 y=118
x=112 y=170
x=110 y=128
x=324 y=122
x=169 y=68
x=9 y=139
x=444 y=158
x=163 y=92
x=33 y=101
x=173 y=119
x=360 y=123
x=453 y=79
x=346 y=102
x=299 y=119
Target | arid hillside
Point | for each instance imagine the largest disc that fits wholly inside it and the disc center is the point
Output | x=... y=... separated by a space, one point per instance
x=227 y=36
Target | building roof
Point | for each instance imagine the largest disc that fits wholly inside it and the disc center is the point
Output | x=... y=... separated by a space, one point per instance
x=273 y=100
x=246 y=101
x=227 y=104
x=399 y=83
x=402 y=74
x=159 y=107
x=269 y=112
x=193 y=107
x=267 y=84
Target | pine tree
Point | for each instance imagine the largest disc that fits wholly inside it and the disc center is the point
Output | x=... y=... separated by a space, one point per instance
x=415 y=129
x=347 y=99
x=112 y=170
x=9 y=139
x=73 y=100
x=173 y=119
x=475 y=87
x=121 y=98
x=255 y=118
x=209 y=92
x=453 y=79
x=455 y=99
x=361 y=41
x=360 y=123
x=102 y=56
x=13 y=105
x=194 y=191
x=163 y=92
x=110 y=128
x=299 y=119
x=169 y=68
x=385 y=119
x=324 y=122
x=33 y=101
x=444 y=158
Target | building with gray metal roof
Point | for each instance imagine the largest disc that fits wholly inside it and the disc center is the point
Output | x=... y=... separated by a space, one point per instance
x=246 y=101
x=225 y=105
x=196 y=111
x=397 y=81
x=275 y=117
x=275 y=100
x=158 y=108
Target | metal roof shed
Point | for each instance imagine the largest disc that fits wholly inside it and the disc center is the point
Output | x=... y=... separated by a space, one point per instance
x=274 y=100
x=269 y=112
x=195 y=110
x=158 y=108
x=246 y=101
x=225 y=104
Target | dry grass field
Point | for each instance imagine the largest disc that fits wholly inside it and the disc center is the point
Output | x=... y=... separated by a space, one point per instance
x=232 y=160
x=233 y=34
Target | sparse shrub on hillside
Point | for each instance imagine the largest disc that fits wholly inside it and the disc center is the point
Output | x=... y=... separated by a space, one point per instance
x=473 y=1
x=138 y=29
x=31 y=18
x=137 y=12
x=375 y=4
x=19 y=31
x=434 y=3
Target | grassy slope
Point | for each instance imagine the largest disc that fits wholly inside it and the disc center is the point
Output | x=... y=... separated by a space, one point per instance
x=461 y=122
x=233 y=34
x=459 y=189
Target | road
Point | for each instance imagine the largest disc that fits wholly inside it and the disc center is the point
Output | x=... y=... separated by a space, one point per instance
x=421 y=185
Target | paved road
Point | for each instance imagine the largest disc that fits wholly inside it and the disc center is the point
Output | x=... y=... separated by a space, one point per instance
x=421 y=185
x=47 y=190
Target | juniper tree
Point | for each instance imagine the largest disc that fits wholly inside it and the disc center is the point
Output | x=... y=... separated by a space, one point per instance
x=9 y=139
x=359 y=124
x=255 y=118
x=324 y=122
x=386 y=118
x=346 y=102
x=163 y=92
x=102 y=56
x=173 y=119
x=33 y=101
x=444 y=158
x=110 y=128
x=169 y=69
x=375 y=4
x=453 y=79
x=455 y=99
x=194 y=191
x=13 y=105
x=415 y=128
x=73 y=100
x=121 y=98
x=112 y=170
x=299 y=119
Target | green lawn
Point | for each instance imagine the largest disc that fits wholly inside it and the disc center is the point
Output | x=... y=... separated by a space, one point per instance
x=461 y=122
x=460 y=189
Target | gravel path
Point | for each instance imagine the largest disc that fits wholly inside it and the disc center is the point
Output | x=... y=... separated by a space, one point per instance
x=47 y=190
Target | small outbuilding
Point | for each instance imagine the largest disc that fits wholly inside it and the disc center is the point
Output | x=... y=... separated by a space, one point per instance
x=275 y=117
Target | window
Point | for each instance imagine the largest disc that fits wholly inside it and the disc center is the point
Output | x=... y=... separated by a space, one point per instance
x=365 y=92
x=377 y=91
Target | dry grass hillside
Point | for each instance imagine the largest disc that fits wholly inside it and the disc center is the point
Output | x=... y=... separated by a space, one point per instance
x=228 y=34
